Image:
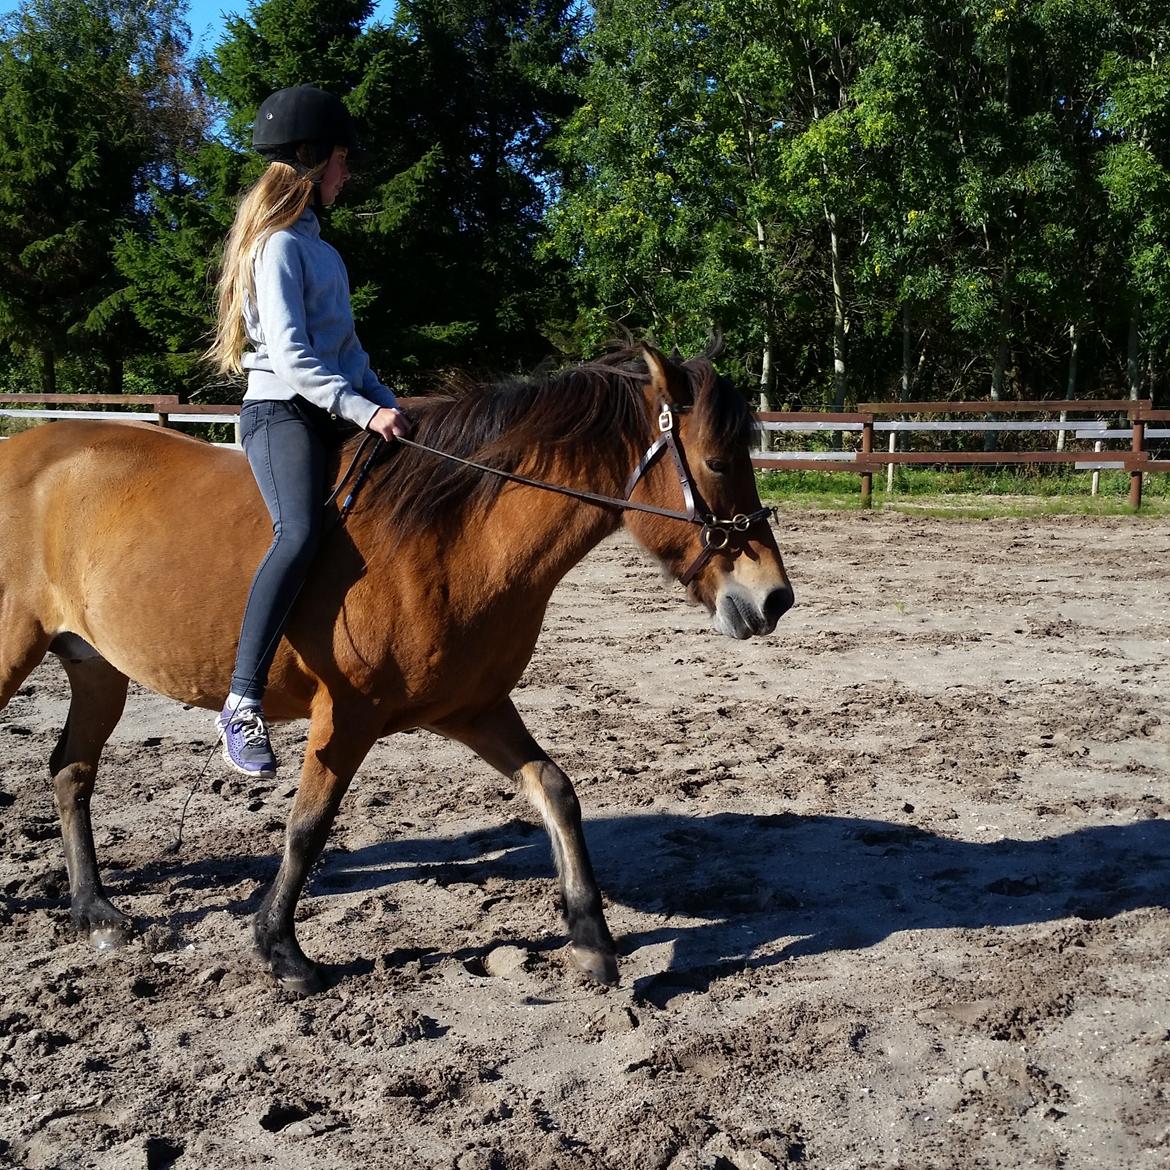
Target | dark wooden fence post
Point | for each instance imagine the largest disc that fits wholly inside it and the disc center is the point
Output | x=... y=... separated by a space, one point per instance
x=867 y=473
x=1135 y=475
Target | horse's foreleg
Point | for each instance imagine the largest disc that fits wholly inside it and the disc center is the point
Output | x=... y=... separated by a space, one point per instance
x=500 y=737
x=332 y=756
x=98 y=698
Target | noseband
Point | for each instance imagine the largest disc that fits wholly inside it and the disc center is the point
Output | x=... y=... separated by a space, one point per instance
x=716 y=535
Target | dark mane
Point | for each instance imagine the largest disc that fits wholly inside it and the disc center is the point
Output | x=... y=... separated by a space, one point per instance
x=596 y=410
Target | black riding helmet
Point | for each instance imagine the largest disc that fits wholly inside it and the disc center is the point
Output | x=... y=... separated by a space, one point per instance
x=302 y=115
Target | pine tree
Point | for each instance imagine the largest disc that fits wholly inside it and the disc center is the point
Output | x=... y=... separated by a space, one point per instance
x=440 y=223
x=87 y=103
x=460 y=172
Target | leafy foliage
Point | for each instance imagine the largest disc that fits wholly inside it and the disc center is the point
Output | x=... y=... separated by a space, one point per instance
x=961 y=178
x=867 y=199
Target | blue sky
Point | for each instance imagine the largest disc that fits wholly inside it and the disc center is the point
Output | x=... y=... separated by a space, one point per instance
x=206 y=18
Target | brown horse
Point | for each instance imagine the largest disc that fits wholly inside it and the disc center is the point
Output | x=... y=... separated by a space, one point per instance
x=127 y=550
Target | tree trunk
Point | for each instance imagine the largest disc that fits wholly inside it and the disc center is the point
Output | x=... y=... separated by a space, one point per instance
x=1074 y=346
x=907 y=351
x=767 y=371
x=1133 y=365
x=839 y=379
x=48 y=370
x=767 y=358
x=115 y=369
x=999 y=369
x=1002 y=353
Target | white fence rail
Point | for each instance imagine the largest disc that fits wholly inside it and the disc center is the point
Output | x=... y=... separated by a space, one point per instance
x=164 y=417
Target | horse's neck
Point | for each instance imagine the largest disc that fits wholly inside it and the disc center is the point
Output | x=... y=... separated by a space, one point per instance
x=524 y=542
x=553 y=539
x=532 y=538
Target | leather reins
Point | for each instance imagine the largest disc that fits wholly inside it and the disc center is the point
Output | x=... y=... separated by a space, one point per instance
x=715 y=533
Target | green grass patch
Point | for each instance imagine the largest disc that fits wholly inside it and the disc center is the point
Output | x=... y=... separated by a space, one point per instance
x=975 y=493
x=988 y=508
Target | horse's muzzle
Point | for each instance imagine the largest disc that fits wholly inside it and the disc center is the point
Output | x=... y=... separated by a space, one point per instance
x=739 y=615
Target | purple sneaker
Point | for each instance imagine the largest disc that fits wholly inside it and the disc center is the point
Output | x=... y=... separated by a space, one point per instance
x=245 y=742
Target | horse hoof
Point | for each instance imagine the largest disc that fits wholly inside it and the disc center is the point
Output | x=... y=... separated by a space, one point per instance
x=299 y=985
x=599 y=965
x=104 y=928
x=109 y=936
x=303 y=979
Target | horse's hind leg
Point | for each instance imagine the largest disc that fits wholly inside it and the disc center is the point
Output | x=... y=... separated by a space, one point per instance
x=99 y=695
x=500 y=738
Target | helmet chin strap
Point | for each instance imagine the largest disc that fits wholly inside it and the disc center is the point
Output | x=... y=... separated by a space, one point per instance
x=303 y=172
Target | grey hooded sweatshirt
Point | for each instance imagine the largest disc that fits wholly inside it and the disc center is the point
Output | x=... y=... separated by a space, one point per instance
x=301 y=328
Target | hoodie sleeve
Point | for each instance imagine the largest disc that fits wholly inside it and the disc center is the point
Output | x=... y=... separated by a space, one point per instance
x=280 y=305
x=370 y=384
x=376 y=390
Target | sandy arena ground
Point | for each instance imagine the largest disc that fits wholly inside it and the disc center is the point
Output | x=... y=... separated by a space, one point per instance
x=891 y=887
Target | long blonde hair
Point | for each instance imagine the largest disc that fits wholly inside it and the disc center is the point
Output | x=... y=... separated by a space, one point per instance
x=276 y=200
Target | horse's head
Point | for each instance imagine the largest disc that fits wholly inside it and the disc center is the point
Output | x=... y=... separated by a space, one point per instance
x=700 y=461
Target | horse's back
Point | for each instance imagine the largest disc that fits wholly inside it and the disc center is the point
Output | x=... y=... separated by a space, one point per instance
x=90 y=455
x=103 y=447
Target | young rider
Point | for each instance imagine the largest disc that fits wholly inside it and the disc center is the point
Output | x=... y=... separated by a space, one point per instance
x=285 y=317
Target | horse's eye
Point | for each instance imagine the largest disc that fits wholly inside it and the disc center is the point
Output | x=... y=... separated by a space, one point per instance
x=718 y=466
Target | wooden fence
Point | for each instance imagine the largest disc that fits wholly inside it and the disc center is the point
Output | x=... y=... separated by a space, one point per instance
x=871 y=417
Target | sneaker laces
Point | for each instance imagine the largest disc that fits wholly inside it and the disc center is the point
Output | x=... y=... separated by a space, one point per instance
x=250 y=724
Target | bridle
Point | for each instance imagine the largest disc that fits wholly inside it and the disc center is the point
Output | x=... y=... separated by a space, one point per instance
x=716 y=534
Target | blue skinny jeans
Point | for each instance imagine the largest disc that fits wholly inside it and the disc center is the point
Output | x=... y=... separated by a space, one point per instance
x=287 y=445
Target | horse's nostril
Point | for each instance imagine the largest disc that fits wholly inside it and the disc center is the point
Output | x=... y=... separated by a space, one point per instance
x=778 y=603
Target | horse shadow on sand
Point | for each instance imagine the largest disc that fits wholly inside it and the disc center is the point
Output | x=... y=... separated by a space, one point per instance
x=734 y=891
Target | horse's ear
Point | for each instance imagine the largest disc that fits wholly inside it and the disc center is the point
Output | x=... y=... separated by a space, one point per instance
x=659 y=378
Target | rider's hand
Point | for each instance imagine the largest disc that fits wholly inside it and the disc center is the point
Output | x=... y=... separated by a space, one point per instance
x=389 y=422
